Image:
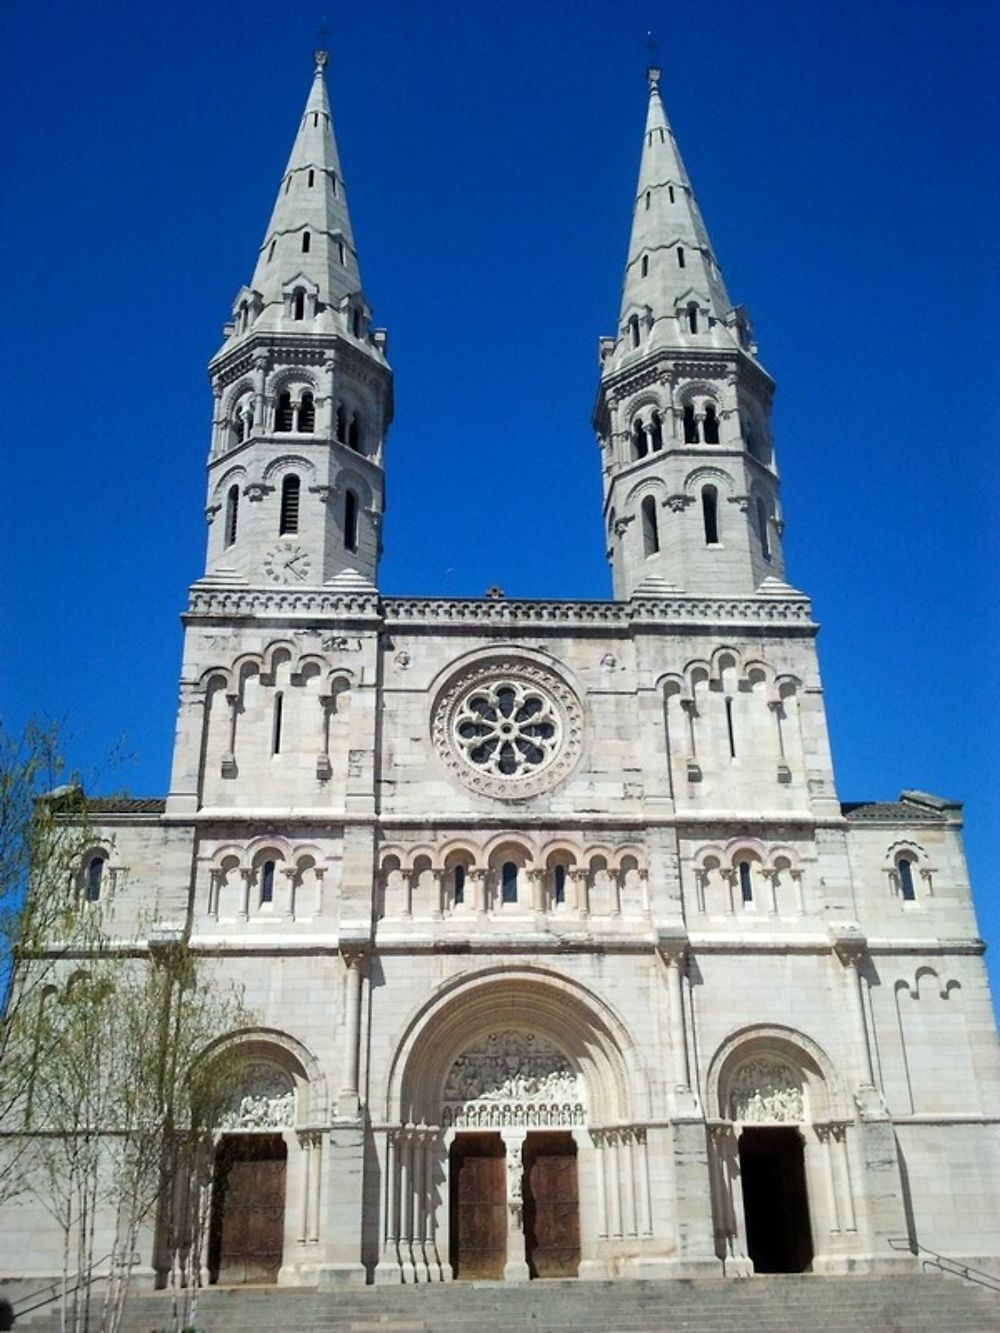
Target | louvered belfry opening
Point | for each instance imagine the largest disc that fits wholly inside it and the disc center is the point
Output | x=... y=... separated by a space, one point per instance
x=290 y=490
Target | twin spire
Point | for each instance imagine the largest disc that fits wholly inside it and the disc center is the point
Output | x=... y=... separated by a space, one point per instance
x=309 y=233
x=670 y=259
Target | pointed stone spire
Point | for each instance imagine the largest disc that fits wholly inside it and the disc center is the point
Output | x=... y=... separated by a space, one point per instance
x=670 y=259
x=683 y=409
x=309 y=234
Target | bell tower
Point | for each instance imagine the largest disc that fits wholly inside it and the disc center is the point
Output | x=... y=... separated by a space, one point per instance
x=302 y=390
x=683 y=409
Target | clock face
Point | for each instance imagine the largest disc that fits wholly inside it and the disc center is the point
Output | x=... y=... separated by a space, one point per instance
x=287 y=564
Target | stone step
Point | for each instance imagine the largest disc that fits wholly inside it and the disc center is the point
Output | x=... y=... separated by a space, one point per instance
x=915 y=1304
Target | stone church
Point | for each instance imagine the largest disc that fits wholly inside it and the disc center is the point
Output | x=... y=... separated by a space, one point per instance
x=567 y=957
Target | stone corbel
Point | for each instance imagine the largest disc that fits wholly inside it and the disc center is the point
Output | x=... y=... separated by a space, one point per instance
x=621 y=524
x=742 y=502
x=255 y=491
x=678 y=503
x=211 y=511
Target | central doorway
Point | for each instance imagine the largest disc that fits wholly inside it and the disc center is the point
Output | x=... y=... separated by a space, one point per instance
x=478 y=1206
x=551 y=1205
x=775 y=1201
x=247 y=1231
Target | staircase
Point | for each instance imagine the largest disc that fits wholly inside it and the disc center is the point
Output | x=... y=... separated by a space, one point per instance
x=914 y=1304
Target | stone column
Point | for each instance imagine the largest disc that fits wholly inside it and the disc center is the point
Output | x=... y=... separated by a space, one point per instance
x=477 y=878
x=580 y=875
x=673 y=949
x=388 y=1268
x=348 y=1103
x=731 y=1220
x=536 y=878
x=516 y=1267
x=851 y=946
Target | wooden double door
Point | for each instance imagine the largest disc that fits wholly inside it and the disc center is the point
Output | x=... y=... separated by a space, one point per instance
x=247 y=1233
x=479 y=1214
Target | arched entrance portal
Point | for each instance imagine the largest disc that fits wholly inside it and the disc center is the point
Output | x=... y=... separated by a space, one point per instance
x=511 y=1139
x=513 y=1194
x=775 y=1202
x=781 y=1174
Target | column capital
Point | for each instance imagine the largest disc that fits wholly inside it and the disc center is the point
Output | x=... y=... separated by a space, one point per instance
x=672 y=944
x=850 y=944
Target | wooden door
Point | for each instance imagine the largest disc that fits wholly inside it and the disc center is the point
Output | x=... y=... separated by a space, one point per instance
x=478 y=1206
x=248 y=1209
x=551 y=1206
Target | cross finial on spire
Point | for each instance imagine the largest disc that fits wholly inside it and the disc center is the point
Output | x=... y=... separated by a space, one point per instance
x=653 y=68
x=321 y=58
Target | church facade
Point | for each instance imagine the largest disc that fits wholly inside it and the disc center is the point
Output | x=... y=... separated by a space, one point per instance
x=568 y=960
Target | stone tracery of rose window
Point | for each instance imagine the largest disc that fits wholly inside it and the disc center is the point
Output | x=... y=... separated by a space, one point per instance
x=507 y=727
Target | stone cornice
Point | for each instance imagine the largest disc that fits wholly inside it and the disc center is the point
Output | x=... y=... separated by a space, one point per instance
x=398 y=613
x=309 y=604
x=675 y=611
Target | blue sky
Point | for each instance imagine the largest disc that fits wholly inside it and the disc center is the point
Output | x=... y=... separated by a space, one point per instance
x=844 y=158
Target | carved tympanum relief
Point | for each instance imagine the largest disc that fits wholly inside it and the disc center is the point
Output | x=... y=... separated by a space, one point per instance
x=263 y=1099
x=513 y=1078
x=766 y=1091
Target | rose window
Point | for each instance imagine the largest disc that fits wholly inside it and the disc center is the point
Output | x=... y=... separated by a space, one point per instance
x=508 y=728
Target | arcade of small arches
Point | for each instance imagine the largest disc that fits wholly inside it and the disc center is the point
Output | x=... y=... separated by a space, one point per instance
x=296 y=698
x=269 y=879
x=294 y=408
x=348 y=498
x=508 y=876
x=719 y=707
x=693 y=414
x=747 y=877
x=702 y=489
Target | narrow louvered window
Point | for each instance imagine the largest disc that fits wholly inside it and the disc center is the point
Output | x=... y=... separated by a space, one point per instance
x=762 y=530
x=458 y=886
x=656 y=431
x=289 y=521
x=307 y=414
x=711 y=425
x=710 y=514
x=300 y=304
x=690 y=425
x=284 y=414
x=312 y=179
x=279 y=704
x=650 y=529
x=351 y=521
x=232 y=513
x=681 y=262
x=306 y=242
x=692 y=314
